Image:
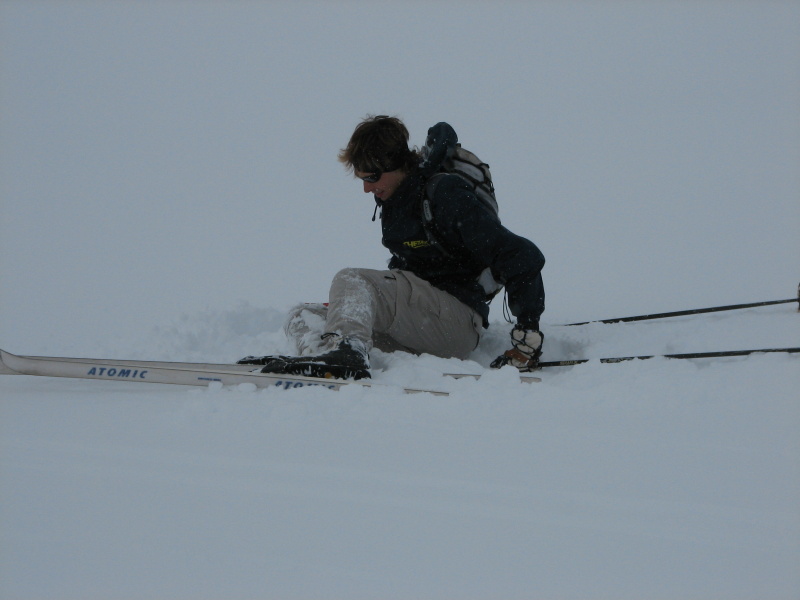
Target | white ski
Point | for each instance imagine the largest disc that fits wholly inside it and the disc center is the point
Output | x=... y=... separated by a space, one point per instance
x=196 y=366
x=181 y=373
x=196 y=374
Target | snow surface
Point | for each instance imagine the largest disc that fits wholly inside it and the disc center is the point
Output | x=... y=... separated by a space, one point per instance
x=648 y=479
x=169 y=188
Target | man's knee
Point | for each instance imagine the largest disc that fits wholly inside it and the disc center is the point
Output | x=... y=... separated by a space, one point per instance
x=347 y=274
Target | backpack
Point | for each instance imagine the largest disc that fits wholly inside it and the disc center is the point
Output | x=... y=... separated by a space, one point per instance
x=476 y=173
x=471 y=169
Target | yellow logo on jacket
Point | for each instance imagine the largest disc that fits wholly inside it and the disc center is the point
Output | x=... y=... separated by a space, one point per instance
x=417 y=243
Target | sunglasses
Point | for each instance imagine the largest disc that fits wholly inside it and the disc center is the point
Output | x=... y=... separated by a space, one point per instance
x=372 y=177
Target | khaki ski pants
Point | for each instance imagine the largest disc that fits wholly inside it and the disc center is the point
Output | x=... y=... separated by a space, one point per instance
x=390 y=310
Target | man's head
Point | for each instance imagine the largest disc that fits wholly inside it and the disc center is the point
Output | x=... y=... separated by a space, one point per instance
x=378 y=154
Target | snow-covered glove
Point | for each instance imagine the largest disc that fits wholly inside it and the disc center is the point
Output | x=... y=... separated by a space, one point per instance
x=526 y=348
x=439 y=144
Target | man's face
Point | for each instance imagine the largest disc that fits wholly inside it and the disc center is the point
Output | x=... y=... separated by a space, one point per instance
x=384 y=187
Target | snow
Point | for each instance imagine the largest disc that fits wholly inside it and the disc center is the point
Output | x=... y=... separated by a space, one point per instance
x=169 y=189
x=658 y=478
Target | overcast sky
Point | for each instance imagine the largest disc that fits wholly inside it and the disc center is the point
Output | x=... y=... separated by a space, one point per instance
x=161 y=158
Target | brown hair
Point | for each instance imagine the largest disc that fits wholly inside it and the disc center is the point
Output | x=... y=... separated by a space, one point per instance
x=379 y=143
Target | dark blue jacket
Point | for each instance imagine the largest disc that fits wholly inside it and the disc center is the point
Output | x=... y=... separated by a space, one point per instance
x=473 y=240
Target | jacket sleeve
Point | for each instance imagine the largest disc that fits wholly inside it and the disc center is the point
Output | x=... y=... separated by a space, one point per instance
x=395 y=262
x=516 y=262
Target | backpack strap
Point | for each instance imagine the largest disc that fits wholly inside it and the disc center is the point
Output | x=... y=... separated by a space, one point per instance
x=427 y=213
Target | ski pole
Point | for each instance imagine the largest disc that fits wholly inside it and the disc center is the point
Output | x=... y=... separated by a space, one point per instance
x=695 y=311
x=568 y=363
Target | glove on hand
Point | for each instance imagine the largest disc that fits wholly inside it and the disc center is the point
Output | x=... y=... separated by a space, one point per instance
x=525 y=352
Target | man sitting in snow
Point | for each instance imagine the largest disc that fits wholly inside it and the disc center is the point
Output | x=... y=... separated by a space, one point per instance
x=434 y=297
